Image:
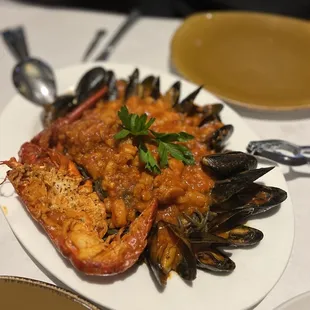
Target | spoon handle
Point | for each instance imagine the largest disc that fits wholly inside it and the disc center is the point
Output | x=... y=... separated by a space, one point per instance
x=16 y=42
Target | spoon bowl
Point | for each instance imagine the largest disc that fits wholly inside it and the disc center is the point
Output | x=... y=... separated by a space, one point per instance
x=35 y=80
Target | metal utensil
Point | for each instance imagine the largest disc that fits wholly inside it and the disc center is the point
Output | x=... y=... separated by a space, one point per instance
x=281 y=151
x=33 y=78
x=94 y=42
x=130 y=20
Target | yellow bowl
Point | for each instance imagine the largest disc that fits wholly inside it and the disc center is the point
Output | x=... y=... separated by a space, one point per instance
x=21 y=293
x=256 y=60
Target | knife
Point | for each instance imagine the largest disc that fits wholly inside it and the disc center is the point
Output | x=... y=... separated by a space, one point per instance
x=109 y=48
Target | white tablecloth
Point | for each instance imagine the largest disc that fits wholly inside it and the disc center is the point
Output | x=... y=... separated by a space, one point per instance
x=61 y=36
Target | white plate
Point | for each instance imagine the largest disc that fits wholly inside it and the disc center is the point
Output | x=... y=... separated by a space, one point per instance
x=300 y=302
x=258 y=269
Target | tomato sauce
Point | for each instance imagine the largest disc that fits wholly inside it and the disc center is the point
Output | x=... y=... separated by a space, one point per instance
x=179 y=188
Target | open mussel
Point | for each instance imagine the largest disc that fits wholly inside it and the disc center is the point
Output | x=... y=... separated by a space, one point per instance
x=210 y=113
x=187 y=105
x=151 y=87
x=220 y=137
x=110 y=82
x=173 y=94
x=228 y=164
x=242 y=236
x=90 y=82
x=213 y=260
x=224 y=189
x=196 y=229
x=62 y=105
x=132 y=88
x=167 y=251
x=258 y=197
x=228 y=220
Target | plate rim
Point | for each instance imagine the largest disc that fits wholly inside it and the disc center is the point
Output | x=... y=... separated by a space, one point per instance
x=292 y=300
x=168 y=74
x=51 y=287
x=238 y=103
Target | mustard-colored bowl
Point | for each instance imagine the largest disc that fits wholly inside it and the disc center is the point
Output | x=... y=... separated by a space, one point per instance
x=22 y=294
x=256 y=60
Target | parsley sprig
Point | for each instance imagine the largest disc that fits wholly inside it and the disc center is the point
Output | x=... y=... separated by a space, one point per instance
x=133 y=124
x=139 y=127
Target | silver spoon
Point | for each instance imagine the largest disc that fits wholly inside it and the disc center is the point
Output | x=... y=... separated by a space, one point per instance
x=33 y=78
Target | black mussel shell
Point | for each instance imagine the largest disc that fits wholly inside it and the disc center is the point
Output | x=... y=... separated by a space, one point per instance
x=214 y=260
x=228 y=164
x=62 y=106
x=155 y=93
x=200 y=239
x=168 y=250
x=151 y=87
x=112 y=93
x=220 y=137
x=147 y=85
x=224 y=189
x=259 y=197
x=242 y=236
x=133 y=84
x=187 y=105
x=210 y=113
x=173 y=93
x=228 y=220
x=90 y=82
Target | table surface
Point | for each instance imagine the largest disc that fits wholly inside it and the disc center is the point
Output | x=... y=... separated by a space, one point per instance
x=61 y=36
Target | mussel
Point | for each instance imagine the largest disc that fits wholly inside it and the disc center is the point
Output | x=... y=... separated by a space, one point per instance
x=167 y=251
x=90 y=82
x=132 y=88
x=63 y=105
x=220 y=137
x=213 y=260
x=224 y=189
x=242 y=236
x=151 y=87
x=258 y=197
x=187 y=105
x=210 y=113
x=173 y=93
x=228 y=220
x=228 y=164
x=110 y=81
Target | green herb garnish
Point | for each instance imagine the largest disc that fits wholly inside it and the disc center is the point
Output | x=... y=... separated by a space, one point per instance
x=149 y=160
x=133 y=124
x=139 y=127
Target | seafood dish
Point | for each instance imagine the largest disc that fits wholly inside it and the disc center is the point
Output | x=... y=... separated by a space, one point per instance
x=125 y=173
